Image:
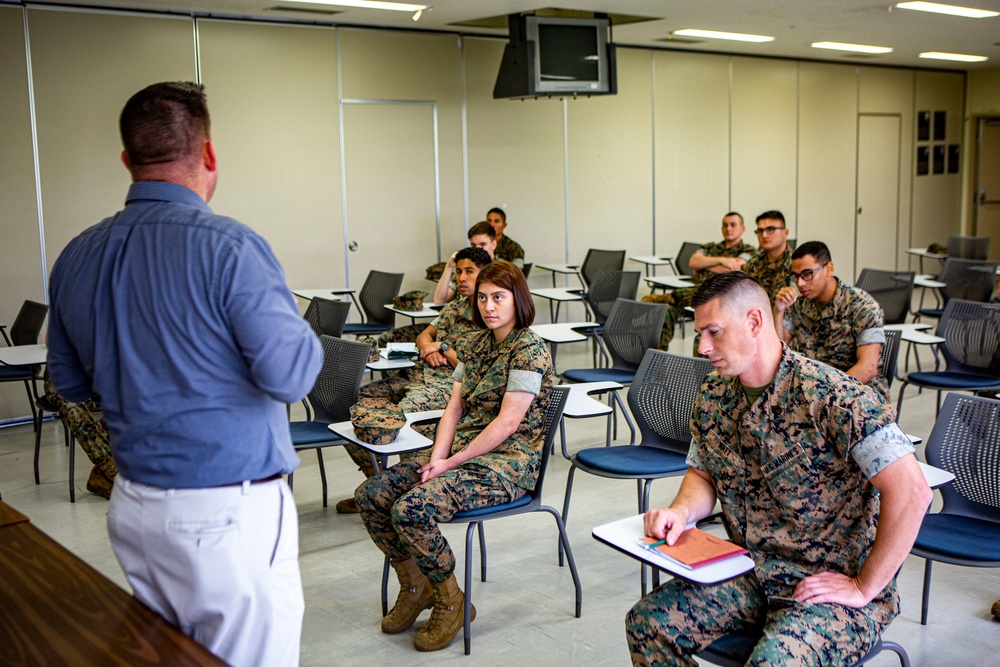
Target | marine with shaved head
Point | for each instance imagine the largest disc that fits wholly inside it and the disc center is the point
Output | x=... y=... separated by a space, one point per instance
x=815 y=479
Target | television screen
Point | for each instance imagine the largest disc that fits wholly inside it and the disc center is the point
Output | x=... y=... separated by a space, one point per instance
x=556 y=57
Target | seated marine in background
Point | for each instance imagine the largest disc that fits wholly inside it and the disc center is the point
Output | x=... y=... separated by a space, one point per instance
x=428 y=385
x=508 y=249
x=830 y=321
x=481 y=235
x=730 y=254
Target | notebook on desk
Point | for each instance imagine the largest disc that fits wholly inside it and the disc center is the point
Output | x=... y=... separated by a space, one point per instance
x=693 y=549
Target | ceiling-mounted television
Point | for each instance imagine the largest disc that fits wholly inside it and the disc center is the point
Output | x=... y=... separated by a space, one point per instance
x=556 y=57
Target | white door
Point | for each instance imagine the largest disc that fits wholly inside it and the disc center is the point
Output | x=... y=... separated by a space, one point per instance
x=988 y=183
x=391 y=185
x=877 y=215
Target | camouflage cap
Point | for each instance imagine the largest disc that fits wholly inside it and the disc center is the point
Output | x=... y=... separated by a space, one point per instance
x=412 y=301
x=937 y=249
x=377 y=421
x=434 y=271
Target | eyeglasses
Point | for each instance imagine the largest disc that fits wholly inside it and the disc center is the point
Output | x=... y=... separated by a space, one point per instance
x=766 y=230
x=806 y=275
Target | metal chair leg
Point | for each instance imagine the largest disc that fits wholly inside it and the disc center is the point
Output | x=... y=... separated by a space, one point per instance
x=925 y=598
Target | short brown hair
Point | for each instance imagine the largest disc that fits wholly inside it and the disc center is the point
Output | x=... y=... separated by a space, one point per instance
x=482 y=228
x=164 y=122
x=506 y=275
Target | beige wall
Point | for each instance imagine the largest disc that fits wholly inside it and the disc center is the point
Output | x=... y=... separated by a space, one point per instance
x=982 y=99
x=688 y=137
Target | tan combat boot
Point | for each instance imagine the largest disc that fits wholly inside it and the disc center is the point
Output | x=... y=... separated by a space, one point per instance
x=446 y=618
x=415 y=595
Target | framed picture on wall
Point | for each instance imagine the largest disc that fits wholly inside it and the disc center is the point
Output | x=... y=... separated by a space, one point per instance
x=940 y=125
x=939 y=159
x=923 y=160
x=923 y=125
x=953 y=158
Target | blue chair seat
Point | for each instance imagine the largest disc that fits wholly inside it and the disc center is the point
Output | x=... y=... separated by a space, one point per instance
x=632 y=460
x=619 y=375
x=931 y=312
x=365 y=328
x=960 y=537
x=953 y=380
x=310 y=433
x=493 y=509
x=15 y=373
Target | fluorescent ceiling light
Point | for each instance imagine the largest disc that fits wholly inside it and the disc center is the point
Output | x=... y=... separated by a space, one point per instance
x=367 y=4
x=713 y=34
x=856 y=48
x=953 y=10
x=959 y=57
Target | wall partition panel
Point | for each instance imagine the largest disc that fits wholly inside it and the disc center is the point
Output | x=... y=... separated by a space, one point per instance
x=765 y=135
x=691 y=107
x=21 y=270
x=85 y=67
x=879 y=178
x=890 y=91
x=515 y=159
x=828 y=102
x=273 y=94
x=937 y=196
x=611 y=164
x=400 y=66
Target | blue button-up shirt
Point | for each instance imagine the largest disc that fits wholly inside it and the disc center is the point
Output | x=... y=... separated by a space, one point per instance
x=180 y=319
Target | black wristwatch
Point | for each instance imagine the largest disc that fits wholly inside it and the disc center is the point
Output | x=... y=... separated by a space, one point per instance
x=444 y=348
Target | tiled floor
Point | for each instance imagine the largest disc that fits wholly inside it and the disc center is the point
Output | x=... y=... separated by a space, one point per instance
x=526 y=607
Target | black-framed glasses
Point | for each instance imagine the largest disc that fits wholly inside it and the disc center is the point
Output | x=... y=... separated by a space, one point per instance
x=766 y=230
x=807 y=275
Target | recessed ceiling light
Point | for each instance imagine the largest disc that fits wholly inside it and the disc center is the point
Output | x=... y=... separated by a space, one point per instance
x=714 y=34
x=856 y=48
x=959 y=57
x=367 y=4
x=953 y=10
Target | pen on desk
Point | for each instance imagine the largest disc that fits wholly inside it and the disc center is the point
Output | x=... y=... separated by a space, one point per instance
x=658 y=543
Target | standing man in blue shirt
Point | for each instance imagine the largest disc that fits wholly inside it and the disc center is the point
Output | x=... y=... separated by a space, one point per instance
x=180 y=319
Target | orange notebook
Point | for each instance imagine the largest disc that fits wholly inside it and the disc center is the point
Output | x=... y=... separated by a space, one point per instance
x=694 y=548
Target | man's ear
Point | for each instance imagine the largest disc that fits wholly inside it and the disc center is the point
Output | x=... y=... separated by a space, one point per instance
x=208 y=156
x=755 y=318
x=125 y=161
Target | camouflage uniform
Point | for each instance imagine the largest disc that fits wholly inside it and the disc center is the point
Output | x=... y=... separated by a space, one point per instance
x=423 y=387
x=771 y=275
x=792 y=475
x=402 y=515
x=832 y=332
x=509 y=250
x=92 y=434
x=679 y=299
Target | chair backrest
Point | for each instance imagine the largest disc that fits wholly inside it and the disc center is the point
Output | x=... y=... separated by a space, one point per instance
x=966 y=441
x=892 y=289
x=971 y=330
x=662 y=397
x=792 y=244
x=327 y=317
x=632 y=328
x=336 y=388
x=609 y=285
x=889 y=355
x=970 y=279
x=28 y=324
x=557 y=402
x=684 y=256
x=379 y=289
x=526 y=269
x=600 y=259
x=968 y=247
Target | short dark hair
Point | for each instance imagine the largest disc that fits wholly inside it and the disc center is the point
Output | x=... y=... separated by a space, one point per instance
x=498 y=211
x=506 y=275
x=482 y=228
x=164 y=122
x=723 y=285
x=771 y=215
x=733 y=213
x=817 y=249
x=477 y=256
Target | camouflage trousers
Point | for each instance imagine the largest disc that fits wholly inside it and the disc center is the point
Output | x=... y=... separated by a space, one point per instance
x=413 y=391
x=402 y=515
x=407 y=334
x=681 y=618
x=678 y=300
x=88 y=429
